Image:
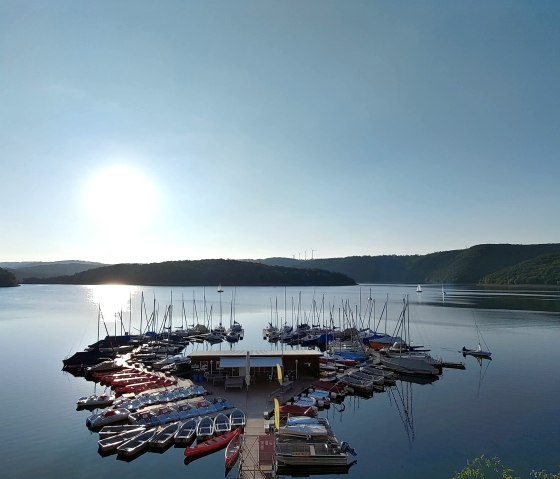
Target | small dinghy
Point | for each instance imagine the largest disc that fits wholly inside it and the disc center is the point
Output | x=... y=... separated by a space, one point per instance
x=221 y=423
x=205 y=429
x=136 y=444
x=186 y=433
x=237 y=418
x=478 y=352
x=110 y=443
x=164 y=436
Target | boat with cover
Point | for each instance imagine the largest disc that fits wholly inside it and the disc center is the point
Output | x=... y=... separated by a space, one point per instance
x=319 y=454
x=291 y=410
x=110 y=443
x=211 y=445
x=95 y=401
x=232 y=452
x=164 y=436
x=137 y=443
x=107 y=416
x=186 y=433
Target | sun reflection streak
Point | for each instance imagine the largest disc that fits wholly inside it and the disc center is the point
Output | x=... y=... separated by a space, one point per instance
x=112 y=299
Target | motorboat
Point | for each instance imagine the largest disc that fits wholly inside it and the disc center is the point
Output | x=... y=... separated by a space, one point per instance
x=107 y=416
x=103 y=400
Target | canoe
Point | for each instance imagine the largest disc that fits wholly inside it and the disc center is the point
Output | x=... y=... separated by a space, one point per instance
x=233 y=450
x=211 y=445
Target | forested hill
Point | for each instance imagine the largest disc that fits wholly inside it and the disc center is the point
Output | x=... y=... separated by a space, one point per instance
x=202 y=273
x=7 y=278
x=468 y=266
x=543 y=269
x=41 y=269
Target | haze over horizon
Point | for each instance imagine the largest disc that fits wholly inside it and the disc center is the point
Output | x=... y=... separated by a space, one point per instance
x=140 y=132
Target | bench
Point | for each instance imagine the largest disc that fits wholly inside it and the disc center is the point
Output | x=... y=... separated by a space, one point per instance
x=233 y=382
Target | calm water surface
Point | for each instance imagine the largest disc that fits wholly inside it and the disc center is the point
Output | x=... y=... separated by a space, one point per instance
x=507 y=407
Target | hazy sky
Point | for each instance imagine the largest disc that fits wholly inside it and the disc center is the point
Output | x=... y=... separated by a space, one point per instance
x=141 y=131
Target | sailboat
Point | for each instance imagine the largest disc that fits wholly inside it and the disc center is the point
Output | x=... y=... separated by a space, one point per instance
x=418 y=289
x=478 y=352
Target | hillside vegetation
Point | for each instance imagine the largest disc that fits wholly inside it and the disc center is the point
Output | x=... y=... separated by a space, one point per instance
x=201 y=273
x=543 y=269
x=468 y=266
x=39 y=269
x=7 y=278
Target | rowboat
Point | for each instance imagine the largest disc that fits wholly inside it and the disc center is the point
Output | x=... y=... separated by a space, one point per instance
x=237 y=418
x=211 y=445
x=186 y=433
x=221 y=423
x=164 y=436
x=291 y=410
x=205 y=428
x=233 y=450
x=112 y=442
x=95 y=401
x=136 y=444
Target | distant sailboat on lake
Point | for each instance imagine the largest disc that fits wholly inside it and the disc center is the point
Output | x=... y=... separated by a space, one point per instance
x=418 y=289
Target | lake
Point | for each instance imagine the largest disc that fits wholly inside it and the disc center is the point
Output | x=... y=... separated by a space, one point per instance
x=507 y=407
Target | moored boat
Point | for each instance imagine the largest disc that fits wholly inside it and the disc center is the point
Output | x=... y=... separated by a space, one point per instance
x=205 y=429
x=110 y=443
x=237 y=418
x=137 y=443
x=211 y=445
x=221 y=423
x=232 y=452
x=164 y=436
x=186 y=433
x=107 y=416
x=95 y=401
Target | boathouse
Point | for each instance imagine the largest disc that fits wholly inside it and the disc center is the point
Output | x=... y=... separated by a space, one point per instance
x=236 y=368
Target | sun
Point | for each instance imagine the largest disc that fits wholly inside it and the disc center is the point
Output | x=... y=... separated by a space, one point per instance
x=120 y=196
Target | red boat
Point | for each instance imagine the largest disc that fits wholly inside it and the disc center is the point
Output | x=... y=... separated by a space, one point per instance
x=233 y=450
x=211 y=445
x=328 y=386
x=291 y=410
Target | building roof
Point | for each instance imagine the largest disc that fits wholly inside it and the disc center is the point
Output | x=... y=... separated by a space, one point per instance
x=264 y=354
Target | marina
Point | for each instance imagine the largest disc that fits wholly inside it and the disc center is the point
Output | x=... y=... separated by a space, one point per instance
x=404 y=410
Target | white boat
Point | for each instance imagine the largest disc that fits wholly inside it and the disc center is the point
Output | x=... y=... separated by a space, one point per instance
x=137 y=443
x=205 y=428
x=164 y=436
x=108 y=431
x=95 y=401
x=110 y=443
x=186 y=433
x=221 y=423
x=237 y=418
x=107 y=416
x=418 y=289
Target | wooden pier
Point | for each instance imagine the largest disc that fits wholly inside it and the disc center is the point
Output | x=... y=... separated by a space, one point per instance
x=258 y=403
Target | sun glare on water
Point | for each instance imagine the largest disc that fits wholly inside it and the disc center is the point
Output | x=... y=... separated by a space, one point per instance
x=120 y=196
